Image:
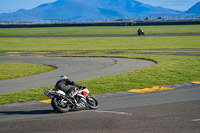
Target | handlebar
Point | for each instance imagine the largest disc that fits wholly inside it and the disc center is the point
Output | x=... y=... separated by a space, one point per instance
x=81 y=88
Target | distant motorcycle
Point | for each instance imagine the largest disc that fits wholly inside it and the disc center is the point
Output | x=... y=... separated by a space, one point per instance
x=62 y=104
x=140 y=32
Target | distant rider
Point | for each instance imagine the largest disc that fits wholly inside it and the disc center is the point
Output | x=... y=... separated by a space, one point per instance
x=139 y=30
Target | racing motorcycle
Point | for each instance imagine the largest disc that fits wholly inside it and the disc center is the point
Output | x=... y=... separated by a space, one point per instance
x=79 y=100
x=140 y=32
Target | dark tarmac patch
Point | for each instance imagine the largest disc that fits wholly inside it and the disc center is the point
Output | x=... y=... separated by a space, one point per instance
x=182 y=85
x=169 y=53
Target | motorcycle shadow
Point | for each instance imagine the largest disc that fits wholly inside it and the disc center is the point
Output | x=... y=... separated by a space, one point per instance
x=35 y=112
x=31 y=112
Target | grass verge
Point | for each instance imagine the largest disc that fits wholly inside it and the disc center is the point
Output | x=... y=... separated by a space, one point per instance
x=168 y=70
x=98 y=30
x=16 y=70
x=97 y=43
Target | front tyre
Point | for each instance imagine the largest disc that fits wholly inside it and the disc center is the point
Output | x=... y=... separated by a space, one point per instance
x=92 y=103
x=60 y=105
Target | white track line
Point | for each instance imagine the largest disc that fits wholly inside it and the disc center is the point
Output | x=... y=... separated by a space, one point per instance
x=112 y=112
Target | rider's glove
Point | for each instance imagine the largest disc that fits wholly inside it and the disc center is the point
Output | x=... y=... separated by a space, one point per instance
x=82 y=87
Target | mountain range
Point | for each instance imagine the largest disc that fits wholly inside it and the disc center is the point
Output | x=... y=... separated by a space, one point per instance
x=87 y=10
x=194 y=9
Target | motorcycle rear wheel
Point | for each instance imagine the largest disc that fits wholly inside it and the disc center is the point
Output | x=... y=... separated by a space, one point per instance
x=58 y=107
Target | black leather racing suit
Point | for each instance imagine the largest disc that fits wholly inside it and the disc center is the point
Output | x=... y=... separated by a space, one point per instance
x=63 y=85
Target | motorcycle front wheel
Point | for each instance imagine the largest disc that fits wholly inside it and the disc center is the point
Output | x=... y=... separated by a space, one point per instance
x=59 y=105
x=92 y=103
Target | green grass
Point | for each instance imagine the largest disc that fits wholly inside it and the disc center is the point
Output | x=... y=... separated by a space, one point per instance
x=168 y=70
x=16 y=70
x=94 y=30
x=23 y=96
x=98 y=43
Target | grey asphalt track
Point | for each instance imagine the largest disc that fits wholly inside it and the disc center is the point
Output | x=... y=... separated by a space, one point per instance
x=161 y=112
x=75 y=68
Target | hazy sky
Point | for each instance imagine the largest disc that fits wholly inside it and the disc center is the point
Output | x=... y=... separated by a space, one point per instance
x=14 y=5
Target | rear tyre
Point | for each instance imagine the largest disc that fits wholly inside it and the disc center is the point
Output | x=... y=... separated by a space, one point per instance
x=59 y=105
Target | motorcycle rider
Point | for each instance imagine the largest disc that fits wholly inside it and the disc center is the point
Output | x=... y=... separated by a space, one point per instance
x=139 y=31
x=63 y=85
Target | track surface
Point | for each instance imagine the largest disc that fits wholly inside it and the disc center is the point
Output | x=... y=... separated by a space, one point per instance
x=163 y=112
